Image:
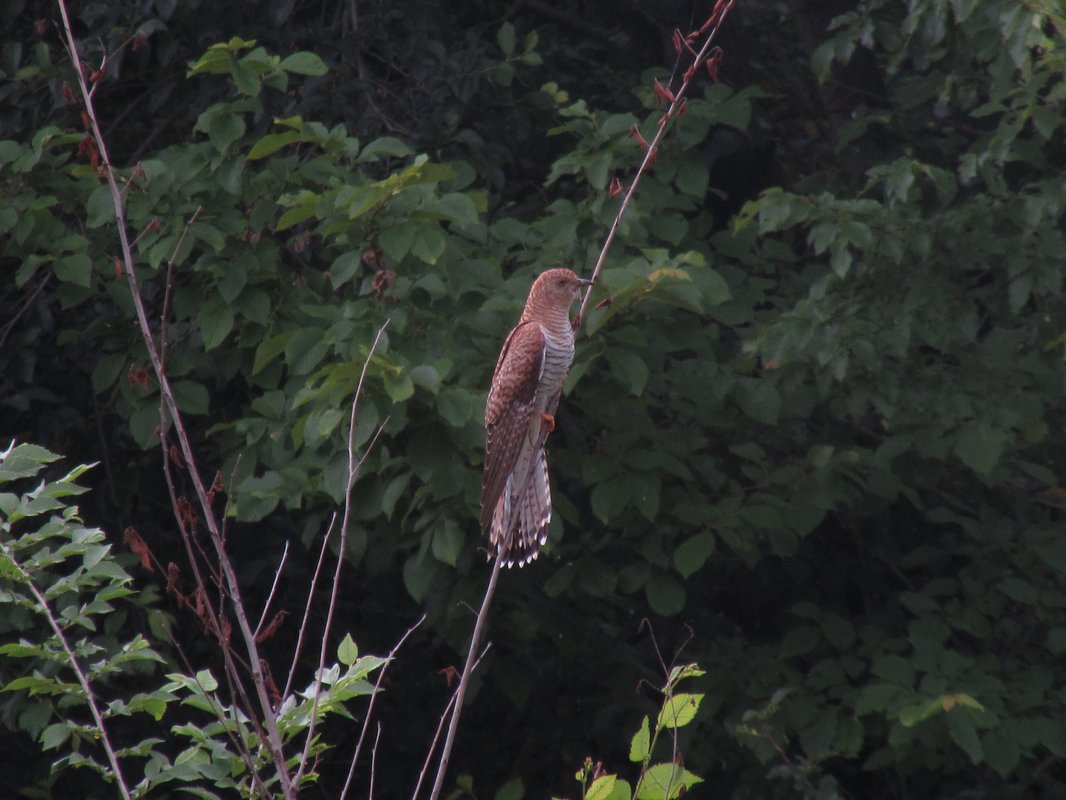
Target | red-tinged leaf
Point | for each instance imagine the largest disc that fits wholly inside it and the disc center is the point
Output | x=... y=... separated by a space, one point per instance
x=135 y=543
x=269 y=631
x=714 y=62
x=662 y=94
x=679 y=43
x=616 y=187
x=451 y=675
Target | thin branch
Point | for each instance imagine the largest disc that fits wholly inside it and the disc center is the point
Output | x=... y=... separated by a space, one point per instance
x=273 y=738
x=10 y=325
x=354 y=465
x=721 y=11
x=433 y=745
x=440 y=728
x=307 y=607
x=370 y=710
x=90 y=699
x=273 y=589
x=373 y=761
x=168 y=291
x=464 y=680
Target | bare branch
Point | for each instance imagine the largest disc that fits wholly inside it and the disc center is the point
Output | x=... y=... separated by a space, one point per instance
x=370 y=711
x=440 y=727
x=307 y=607
x=722 y=9
x=353 y=472
x=464 y=681
x=273 y=736
x=273 y=589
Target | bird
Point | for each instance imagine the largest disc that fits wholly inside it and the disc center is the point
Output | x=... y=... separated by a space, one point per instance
x=519 y=415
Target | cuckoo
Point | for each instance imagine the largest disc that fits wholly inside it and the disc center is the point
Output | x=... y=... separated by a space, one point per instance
x=516 y=501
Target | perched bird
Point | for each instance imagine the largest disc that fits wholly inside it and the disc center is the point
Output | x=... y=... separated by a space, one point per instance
x=516 y=501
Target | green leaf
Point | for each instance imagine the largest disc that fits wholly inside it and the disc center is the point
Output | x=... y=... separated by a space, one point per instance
x=347 y=652
x=608 y=499
x=980 y=447
x=665 y=782
x=692 y=553
x=964 y=734
x=224 y=128
x=100 y=207
x=759 y=399
x=305 y=350
x=295 y=215
x=54 y=735
x=455 y=406
x=192 y=397
x=271 y=143
x=427 y=243
x=270 y=349
x=448 y=543
x=630 y=369
x=206 y=681
x=396 y=240
x=398 y=386
x=76 y=268
x=602 y=788
x=304 y=63
x=345 y=267
x=679 y=710
x=505 y=38
x=216 y=322
x=665 y=595
x=640 y=745
x=514 y=789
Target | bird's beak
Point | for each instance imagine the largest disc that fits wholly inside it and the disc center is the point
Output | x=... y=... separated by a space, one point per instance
x=585 y=281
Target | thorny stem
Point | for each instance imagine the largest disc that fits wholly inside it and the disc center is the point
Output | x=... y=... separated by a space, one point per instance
x=273 y=738
x=720 y=13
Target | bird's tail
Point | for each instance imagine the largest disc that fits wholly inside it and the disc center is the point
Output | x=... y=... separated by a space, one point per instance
x=520 y=519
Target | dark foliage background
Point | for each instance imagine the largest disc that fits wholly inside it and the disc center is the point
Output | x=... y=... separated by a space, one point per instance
x=816 y=438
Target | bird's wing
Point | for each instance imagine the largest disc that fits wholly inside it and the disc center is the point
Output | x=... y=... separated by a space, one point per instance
x=509 y=410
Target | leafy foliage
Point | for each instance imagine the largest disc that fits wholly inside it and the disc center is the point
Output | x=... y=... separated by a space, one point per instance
x=817 y=418
x=52 y=566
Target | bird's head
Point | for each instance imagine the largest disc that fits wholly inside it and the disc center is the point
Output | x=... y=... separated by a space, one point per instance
x=556 y=288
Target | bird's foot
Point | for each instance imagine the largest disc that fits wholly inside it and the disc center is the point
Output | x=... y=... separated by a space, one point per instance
x=549 y=420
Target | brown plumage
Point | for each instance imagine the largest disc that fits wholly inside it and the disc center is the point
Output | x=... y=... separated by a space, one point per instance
x=519 y=415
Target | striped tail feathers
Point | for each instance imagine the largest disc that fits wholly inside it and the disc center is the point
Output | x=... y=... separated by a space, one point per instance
x=520 y=522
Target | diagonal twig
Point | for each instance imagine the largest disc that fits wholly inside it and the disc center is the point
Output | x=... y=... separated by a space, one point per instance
x=468 y=668
x=721 y=10
x=370 y=713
